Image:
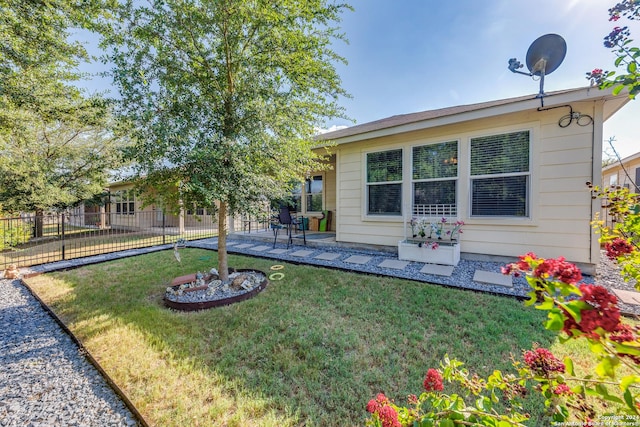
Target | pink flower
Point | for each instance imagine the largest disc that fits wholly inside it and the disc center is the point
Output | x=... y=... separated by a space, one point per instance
x=618 y=247
x=433 y=381
x=542 y=361
x=562 y=389
x=605 y=313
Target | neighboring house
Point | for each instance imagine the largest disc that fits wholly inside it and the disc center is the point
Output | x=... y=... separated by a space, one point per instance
x=126 y=210
x=515 y=172
x=625 y=173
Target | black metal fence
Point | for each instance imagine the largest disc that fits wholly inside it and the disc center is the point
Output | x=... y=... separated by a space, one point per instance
x=38 y=239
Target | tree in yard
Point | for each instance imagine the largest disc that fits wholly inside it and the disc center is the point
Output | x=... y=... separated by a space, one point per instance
x=222 y=98
x=55 y=145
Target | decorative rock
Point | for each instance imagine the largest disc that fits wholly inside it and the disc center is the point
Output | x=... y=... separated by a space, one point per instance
x=214 y=272
x=11 y=272
x=236 y=283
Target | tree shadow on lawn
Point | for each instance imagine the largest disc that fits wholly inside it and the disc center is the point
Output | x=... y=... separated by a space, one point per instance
x=311 y=349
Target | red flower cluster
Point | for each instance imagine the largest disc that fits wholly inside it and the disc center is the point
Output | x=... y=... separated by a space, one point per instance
x=605 y=313
x=562 y=389
x=542 y=361
x=433 y=381
x=558 y=269
x=523 y=265
x=380 y=407
x=618 y=247
x=623 y=333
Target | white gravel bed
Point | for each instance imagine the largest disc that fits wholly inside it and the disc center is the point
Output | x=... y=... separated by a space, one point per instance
x=44 y=378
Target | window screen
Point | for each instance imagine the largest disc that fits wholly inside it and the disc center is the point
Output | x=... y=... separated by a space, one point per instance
x=384 y=183
x=435 y=173
x=500 y=175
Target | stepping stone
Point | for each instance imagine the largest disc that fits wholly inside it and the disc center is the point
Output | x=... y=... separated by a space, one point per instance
x=328 y=256
x=231 y=243
x=278 y=251
x=438 y=270
x=358 y=259
x=627 y=297
x=302 y=253
x=394 y=264
x=260 y=248
x=492 y=278
x=244 y=246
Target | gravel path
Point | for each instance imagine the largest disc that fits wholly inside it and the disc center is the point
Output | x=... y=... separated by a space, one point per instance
x=44 y=378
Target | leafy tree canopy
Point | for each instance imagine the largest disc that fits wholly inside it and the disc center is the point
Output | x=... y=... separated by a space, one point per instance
x=55 y=144
x=223 y=97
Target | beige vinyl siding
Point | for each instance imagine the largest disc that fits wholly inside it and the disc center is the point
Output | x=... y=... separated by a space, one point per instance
x=560 y=203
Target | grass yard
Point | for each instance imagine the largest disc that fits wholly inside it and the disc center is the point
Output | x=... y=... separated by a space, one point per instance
x=311 y=349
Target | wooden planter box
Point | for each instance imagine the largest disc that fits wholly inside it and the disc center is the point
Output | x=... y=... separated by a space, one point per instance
x=447 y=252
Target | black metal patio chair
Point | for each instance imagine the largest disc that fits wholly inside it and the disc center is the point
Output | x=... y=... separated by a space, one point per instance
x=290 y=224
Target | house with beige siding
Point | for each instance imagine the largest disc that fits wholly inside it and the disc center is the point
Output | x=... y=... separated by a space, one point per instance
x=514 y=170
x=624 y=173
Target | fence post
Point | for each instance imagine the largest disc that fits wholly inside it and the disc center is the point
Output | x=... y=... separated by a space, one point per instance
x=62 y=228
x=164 y=235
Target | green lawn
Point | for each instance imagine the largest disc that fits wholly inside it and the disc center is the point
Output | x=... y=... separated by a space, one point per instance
x=311 y=349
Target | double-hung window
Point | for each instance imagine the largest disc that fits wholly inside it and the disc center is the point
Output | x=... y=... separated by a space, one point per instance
x=435 y=175
x=500 y=175
x=313 y=193
x=384 y=183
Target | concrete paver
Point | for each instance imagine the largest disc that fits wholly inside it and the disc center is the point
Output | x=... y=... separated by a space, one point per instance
x=438 y=270
x=394 y=264
x=627 y=297
x=358 y=259
x=328 y=256
x=492 y=278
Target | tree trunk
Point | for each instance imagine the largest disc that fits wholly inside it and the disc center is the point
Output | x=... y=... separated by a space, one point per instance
x=223 y=264
x=38 y=224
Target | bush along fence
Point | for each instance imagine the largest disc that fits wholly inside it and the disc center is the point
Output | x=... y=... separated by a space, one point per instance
x=28 y=240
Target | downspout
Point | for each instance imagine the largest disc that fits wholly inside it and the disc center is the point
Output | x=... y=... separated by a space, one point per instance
x=596 y=174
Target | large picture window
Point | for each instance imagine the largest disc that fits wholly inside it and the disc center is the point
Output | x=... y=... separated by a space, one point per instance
x=384 y=183
x=435 y=174
x=500 y=175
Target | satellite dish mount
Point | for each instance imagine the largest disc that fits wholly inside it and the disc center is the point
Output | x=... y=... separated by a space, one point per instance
x=544 y=56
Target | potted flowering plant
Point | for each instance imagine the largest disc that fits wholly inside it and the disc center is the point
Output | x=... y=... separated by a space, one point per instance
x=432 y=241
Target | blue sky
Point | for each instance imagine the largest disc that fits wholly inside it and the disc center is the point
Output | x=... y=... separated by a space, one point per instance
x=413 y=55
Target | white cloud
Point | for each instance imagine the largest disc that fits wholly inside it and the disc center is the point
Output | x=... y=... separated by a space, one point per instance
x=331 y=129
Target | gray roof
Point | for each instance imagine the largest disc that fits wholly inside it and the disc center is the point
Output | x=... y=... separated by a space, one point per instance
x=423 y=116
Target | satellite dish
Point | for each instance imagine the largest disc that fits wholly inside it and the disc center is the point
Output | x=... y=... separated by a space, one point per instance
x=544 y=56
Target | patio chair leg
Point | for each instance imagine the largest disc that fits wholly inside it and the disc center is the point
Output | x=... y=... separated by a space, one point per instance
x=275 y=238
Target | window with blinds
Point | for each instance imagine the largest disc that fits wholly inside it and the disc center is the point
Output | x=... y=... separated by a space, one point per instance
x=435 y=173
x=313 y=192
x=384 y=183
x=500 y=175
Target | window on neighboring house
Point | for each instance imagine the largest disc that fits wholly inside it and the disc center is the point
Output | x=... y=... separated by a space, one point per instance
x=384 y=183
x=125 y=202
x=313 y=193
x=613 y=180
x=500 y=174
x=637 y=183
x=435 y=174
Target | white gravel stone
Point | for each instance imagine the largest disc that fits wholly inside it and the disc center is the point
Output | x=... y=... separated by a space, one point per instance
x=44 y=379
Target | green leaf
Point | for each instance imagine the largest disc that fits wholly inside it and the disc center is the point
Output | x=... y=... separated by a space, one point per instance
x=555 y=321
x=617 y=89
x=630 y=401
x=548 y=304
x=568 y=363
x=606 y=367
x=625 y=382
x=632 y=67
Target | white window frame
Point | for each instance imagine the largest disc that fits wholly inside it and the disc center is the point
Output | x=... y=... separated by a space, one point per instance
x=125 y=199
x=529 y=176
x=434 y=210
x=367 y=185
x=304 y=192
